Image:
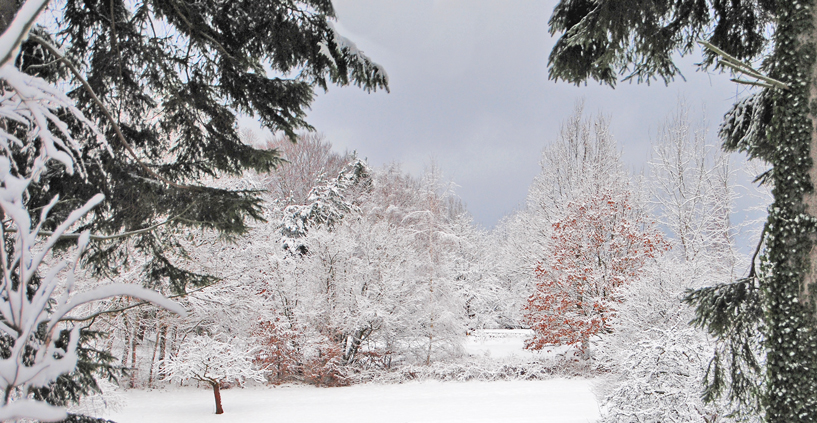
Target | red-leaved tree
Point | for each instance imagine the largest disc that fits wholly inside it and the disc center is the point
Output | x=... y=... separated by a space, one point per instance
x=600 y=245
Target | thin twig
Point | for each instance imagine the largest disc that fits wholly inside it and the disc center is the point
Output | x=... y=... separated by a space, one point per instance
x=757 y=250
x=753 y=83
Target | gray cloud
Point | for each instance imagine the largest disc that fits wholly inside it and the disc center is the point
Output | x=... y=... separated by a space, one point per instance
x=469 y=89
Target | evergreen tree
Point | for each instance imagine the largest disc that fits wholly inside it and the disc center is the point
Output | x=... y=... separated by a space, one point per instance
x=165 y=81
x=604 y=39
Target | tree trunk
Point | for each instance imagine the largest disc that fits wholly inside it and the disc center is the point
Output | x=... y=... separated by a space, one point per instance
x=586 y=348
x=153 y=358
x=8 y=8
x=791 y=361
x=162 y=345
x=125 y=354
x=217 y=395
x=135 y=337
x=810 y=198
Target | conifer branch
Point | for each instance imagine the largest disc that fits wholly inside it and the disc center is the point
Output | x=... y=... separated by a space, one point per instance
x=99 y=237
x=105 y=111
x=109 y=237
x=744 y=68
x=115 y=40
x=206 y=36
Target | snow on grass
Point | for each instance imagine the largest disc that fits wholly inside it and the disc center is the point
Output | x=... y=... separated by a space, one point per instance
x=549 y=401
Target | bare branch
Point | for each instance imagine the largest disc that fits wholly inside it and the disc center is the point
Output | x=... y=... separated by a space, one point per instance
x=121 y=309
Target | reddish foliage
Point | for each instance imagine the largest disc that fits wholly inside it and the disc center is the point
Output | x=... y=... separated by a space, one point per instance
x=322 y=366
x=289 y=355
x=599 y=246
x=279 y=352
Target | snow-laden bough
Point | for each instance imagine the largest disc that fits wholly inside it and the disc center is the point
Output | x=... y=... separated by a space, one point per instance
x=36 y=295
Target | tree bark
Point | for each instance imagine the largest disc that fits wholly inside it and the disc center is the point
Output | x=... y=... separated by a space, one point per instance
x=810 y=198
x=135 y=337
x=217 y=395
x=153 y=358
x=162 y=345
x=585 y=348
x=789 y=290
x=8 y=8
x=125 y=354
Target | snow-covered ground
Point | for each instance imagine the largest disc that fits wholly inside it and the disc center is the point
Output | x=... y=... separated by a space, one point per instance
x=541 y=401
x=503 y=343
x=549 y=401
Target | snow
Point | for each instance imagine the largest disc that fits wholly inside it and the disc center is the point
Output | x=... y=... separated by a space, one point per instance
x=550 y=401
x=503 y=343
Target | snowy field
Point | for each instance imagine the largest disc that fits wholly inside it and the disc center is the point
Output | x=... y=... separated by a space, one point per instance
x=504 y=343
x=542 y=401
x=548 y=401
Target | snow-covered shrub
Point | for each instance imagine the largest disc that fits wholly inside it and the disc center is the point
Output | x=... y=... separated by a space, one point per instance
x=323 y=362
x=656 y=360
x=294 y=354
x=465 y=369
x=110 y=399
x=278 y=352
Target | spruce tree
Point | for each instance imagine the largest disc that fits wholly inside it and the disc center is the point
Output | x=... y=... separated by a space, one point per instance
x=637 y=40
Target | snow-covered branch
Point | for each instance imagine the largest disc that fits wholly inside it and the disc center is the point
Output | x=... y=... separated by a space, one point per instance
x=36 y=290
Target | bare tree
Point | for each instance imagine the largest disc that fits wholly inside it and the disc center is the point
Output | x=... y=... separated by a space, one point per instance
x=309 y=159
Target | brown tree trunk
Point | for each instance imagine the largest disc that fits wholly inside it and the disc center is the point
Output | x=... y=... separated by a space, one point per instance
x=153 y=358
x=217 y=394
x=134 y=345
x=127 y=343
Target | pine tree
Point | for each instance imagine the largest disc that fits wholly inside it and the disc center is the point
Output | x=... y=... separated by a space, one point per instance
x=602 y=39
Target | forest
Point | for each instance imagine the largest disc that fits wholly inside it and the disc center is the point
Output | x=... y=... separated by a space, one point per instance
x=359 y=275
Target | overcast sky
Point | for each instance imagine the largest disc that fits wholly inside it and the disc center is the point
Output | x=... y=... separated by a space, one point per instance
x=469 y=90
